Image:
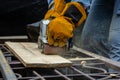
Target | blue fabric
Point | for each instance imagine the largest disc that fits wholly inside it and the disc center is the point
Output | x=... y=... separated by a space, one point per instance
x=102 y=29
x=114 y=33
x=49 y=1
x=96 y=27
x=85 y=2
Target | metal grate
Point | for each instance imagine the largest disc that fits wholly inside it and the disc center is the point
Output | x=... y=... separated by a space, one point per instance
x=88 y=68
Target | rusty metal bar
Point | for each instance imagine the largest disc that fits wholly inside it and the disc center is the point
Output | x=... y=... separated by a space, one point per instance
x=7 y=72
x=109 y=76
x=86 y=75
x=18 y=75
x=64 y=76
x=23 y=38
x=111 y=63
x=14 y=37
x=85 y=65
x=39 y=76
x=81 y=59
x=2 y=46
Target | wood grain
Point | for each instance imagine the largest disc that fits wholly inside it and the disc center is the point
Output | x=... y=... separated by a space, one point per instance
x=29 y=54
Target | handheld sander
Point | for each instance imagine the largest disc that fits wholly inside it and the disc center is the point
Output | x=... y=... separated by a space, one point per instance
x=66 y=17
x=43 y=43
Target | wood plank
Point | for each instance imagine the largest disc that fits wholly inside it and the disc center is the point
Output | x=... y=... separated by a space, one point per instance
x=29 y=54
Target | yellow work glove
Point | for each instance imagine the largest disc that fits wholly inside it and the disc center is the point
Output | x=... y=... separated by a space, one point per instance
x=64 y=17
x=59 y=30
x=56 y=10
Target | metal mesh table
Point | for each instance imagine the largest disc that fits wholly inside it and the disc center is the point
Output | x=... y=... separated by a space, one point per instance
x=88 y=68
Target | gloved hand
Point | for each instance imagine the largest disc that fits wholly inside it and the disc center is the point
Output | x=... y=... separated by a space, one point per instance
x=64 y=18
x=59 y=30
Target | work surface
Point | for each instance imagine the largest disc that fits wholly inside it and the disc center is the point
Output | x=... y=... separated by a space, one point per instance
x=29 y=54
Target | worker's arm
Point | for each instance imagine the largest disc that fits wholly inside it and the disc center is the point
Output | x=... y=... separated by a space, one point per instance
x=64 y=18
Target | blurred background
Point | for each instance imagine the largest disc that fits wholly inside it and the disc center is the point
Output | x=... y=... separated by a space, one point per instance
x=16 y=14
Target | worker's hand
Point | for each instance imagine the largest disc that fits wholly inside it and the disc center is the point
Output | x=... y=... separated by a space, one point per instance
x=59 y=30
x=64 y=17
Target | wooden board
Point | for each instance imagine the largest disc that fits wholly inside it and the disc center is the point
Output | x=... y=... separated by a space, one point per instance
x=29 y=54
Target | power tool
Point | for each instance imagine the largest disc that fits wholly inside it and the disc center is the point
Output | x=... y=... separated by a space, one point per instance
x=43 y=43
x=56 y=29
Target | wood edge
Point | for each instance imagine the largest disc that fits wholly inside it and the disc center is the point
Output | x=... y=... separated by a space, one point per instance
x=36 y=65
x=6 y=44
x=50 y=65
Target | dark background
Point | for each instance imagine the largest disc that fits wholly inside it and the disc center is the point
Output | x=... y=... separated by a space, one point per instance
x=16 y=14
